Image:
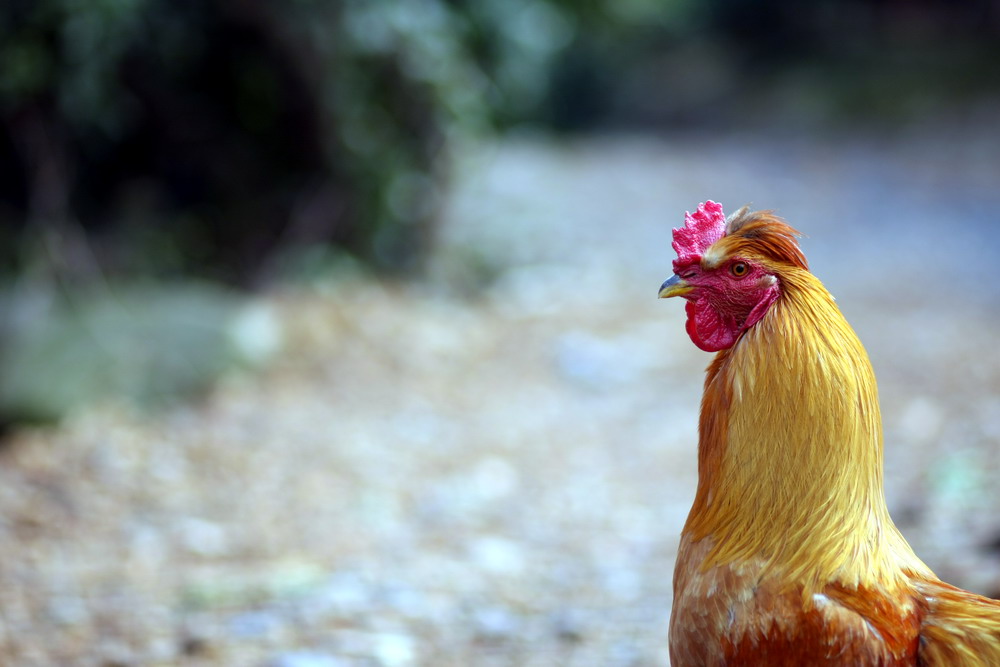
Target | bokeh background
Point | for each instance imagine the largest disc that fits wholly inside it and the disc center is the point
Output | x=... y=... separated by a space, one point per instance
x=329 y=333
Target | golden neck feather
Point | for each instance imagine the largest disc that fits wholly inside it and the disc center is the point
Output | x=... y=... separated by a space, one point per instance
x=790 y=450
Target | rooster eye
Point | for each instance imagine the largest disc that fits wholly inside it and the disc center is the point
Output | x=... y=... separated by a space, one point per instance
x=739 y=269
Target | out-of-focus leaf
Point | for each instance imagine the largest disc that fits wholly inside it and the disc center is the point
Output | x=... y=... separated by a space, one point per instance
x=147 y=344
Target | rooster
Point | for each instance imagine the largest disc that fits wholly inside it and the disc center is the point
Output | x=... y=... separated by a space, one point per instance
x=789 y=555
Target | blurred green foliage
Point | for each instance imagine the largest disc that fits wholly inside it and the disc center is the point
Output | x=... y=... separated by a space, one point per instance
x=146 y=343
x=214 y=137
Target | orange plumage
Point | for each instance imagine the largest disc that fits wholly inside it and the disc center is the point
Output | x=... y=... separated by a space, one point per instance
x=789 y=555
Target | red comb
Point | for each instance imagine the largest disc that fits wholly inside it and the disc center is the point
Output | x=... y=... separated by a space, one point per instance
x=701 y=229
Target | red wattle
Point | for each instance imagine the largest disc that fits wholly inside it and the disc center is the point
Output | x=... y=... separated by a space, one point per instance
x=708 y=329
x=712 y=330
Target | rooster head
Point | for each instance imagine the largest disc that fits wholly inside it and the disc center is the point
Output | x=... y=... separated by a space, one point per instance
x=729 y=270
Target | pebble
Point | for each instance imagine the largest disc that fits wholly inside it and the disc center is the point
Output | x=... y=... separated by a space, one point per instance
x=498 y=555
x=255 y=624
x=202 y=537
x=495 y=623
x=569 y=625
x=306 y=659
x=394 y=650
x=256 y=333
x=495 y=478
x=345 y=593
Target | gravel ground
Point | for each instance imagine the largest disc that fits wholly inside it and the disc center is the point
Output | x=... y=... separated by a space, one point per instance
x=492 y=466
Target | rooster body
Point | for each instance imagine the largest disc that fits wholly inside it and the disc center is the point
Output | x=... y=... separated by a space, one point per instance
x=789 y=555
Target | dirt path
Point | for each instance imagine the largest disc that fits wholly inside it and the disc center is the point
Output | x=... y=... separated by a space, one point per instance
x=492 y=467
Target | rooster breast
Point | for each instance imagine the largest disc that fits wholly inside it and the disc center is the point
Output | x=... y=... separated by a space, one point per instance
x=739 y=614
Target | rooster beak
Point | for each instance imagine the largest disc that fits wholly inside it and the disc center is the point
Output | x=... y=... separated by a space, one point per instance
x=674 y=286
